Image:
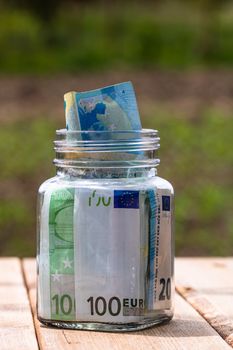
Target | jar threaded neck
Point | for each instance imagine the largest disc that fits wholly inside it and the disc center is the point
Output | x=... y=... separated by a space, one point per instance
x=107 y=149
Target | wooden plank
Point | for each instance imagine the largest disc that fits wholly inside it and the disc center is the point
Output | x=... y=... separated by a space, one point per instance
x=188 y=330
x=16 y=322
x=207 y=284
x=48 y=338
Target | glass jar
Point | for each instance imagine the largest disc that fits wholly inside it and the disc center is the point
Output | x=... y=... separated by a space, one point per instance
x=105 y=242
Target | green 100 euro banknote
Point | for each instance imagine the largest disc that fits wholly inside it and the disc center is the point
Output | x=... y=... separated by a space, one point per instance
x=103 y=253
x=111 y=108
x=81 y=259
x=56 y=286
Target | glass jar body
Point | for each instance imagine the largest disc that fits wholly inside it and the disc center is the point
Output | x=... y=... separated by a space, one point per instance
x=105 y=252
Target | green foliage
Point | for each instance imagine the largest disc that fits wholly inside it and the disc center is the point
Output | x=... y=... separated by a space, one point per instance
x=16 y=222
x=96 y=37
x=195 y=156
x=26 y=146
x=43 y=9
x=26 y=156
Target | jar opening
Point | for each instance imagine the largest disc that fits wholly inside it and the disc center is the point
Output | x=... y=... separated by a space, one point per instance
x=136 y=148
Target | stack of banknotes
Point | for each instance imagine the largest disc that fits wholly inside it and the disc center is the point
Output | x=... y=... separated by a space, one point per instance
x=94 y=240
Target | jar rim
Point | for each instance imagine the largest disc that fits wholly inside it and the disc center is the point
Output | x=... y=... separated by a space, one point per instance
x=107 y=139
x=143 y=132
x=107 y=148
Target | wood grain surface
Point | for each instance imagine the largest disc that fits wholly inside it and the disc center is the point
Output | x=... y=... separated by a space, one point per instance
x=16 y=323
x=207 y=284
x=188 y=330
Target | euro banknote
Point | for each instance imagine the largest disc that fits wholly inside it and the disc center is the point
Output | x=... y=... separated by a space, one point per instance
x=85 y=264
x=111 y=108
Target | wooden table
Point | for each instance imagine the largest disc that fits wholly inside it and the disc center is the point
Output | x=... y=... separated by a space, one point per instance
x=203 y=316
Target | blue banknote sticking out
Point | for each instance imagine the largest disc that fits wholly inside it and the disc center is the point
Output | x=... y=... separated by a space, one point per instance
x=126 y=199
x=111 y=108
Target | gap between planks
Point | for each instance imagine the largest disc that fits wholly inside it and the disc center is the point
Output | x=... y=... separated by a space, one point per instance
x=188 y=330
x=28 y=291
x=207 y=284
x=16 y=324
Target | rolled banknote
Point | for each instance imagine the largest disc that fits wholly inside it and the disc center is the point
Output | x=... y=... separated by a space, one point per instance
x=107 y=109
x=95 y=239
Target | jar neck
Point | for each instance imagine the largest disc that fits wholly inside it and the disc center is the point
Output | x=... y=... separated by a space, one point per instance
x=106 y=173
x=107 y=154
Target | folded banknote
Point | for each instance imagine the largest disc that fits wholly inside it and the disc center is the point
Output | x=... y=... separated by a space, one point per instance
x=111 y=108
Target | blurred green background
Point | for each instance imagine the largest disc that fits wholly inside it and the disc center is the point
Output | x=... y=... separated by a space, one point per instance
x=179 y=56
